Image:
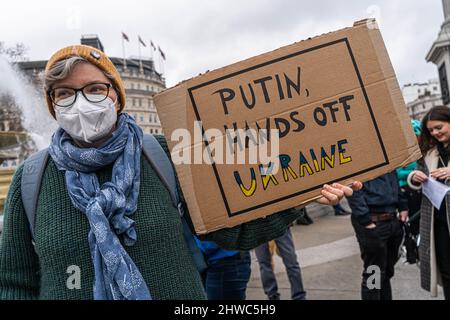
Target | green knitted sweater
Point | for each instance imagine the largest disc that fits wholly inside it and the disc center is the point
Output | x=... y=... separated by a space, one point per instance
x=160 y=253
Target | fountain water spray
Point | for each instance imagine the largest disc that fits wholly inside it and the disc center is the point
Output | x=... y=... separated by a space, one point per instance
x=35 y=119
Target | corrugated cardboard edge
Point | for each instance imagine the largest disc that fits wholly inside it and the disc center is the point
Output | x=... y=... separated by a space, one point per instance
x=393 y=86
x=171 y=101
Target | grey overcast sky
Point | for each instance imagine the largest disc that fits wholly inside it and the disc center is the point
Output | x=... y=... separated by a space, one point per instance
x=200 y=35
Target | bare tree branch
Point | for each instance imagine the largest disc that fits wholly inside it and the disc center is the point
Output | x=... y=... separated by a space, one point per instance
x=16 y=53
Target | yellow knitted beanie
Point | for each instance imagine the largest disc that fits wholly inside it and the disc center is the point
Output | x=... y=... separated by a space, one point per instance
x=97 y=58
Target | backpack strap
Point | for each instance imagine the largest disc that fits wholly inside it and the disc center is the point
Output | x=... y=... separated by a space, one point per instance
x=162 y=165
x=33 y=170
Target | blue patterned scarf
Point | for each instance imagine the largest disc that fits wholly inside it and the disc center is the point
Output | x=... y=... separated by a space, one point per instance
x=107 y=207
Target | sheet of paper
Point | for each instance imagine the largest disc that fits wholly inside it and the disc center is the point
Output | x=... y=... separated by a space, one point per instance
x=435 y=191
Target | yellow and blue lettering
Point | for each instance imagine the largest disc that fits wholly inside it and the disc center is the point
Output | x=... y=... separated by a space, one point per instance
x=248 y=192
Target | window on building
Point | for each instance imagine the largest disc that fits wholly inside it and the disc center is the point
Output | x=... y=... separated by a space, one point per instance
x=435 y=88
x=140 y=102
x=142 y=118
x=151 y=130
x=139 y=86
x=147 y=87
x=134 y=102
x=149 y=103
x=132 y=85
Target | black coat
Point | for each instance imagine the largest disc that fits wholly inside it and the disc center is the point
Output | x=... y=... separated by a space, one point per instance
x=379 y=195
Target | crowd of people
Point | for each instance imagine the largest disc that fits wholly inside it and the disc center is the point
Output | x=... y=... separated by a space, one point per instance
x=103 y=213
x=391 y=210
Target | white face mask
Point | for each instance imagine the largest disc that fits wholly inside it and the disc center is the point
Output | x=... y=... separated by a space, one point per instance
x=87 y=121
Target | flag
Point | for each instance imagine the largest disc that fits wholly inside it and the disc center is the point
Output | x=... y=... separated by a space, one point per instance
x=153 y=45
x=162 y=53
x=125 y=37
x=141 y=41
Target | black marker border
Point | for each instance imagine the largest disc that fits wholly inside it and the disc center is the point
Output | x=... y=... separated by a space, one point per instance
x=216 y=173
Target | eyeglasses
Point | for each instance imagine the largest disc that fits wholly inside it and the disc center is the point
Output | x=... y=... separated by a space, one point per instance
x=93 y=92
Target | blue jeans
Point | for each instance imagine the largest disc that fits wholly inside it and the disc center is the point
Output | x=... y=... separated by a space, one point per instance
x=227 y=279
x=286 y=247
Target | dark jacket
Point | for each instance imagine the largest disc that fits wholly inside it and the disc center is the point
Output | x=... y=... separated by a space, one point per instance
x=379 y=195
x=429 y=270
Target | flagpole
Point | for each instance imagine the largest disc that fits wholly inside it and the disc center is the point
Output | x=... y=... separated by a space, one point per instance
x=160 y=63
x=160 y=60
x=141 y=69
x=124 y=57
x=151 y=51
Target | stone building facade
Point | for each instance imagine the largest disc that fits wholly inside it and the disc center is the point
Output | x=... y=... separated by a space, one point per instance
x=140 y=78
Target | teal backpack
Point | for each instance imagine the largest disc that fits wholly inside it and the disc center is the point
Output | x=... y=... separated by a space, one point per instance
x=34 y=168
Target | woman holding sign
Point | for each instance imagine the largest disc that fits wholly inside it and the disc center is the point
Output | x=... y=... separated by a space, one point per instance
x=434 y=250
x=104 y=225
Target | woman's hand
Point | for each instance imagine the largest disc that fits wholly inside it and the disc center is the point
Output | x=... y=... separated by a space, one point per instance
x=356 y=186
x=419 y=177
x=334 y=193
x=441 y=173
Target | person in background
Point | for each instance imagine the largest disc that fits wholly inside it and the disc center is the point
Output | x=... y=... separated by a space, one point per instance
x=286 y=249
x=434 y=247
x=340 y=211
x=228 y=272
x=379 y=232
x=414 y=196
x=304 y=218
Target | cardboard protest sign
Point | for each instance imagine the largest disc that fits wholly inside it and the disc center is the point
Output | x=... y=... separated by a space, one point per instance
x=335 y=102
